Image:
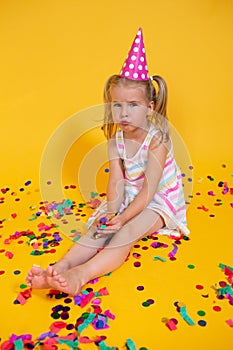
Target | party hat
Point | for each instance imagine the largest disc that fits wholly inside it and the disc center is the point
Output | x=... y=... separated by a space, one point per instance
x=135 y=66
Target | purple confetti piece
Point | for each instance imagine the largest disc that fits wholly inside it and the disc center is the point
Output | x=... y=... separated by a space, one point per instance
x=174 y=251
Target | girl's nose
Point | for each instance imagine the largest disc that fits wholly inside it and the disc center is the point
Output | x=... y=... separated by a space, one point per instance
x=124 y=110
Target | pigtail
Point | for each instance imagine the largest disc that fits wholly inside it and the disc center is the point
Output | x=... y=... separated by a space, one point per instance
x=109 y=127
x=161 y=98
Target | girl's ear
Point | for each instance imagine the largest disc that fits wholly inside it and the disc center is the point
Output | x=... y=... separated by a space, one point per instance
x=151 y=107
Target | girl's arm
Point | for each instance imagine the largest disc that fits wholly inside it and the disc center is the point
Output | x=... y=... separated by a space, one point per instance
x=156 y=161
x=115 y=189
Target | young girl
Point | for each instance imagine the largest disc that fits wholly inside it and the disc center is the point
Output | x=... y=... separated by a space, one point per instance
x=144 y=192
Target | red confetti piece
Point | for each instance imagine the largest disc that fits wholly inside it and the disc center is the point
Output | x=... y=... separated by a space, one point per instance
x=222 y=284
x=52 y=251
x=199 y=287
x=14 y=215
x=2 y=272
x=103 y=291
x=217 y=308
x=203 y=208
x=72 y=186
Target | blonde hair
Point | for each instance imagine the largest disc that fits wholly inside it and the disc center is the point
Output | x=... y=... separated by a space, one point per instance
x=158 y=117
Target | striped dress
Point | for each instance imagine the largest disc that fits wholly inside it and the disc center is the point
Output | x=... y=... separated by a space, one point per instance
x=168 y=200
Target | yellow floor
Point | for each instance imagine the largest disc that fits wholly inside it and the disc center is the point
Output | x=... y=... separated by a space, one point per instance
x=165 y=282
x=55 y=59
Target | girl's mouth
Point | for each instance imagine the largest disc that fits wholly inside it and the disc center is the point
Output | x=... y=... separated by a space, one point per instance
x=124 y=123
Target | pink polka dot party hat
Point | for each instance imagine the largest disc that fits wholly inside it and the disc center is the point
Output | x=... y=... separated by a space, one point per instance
x=135 y=66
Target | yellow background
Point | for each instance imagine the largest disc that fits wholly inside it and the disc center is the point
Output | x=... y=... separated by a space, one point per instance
x=55 y=58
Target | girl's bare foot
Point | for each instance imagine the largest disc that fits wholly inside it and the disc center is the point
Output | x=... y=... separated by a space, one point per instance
x=37 y=278
x=70 y=281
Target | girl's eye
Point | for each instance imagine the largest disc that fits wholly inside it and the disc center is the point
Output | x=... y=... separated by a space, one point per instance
x=116 y=104
x=133 y=104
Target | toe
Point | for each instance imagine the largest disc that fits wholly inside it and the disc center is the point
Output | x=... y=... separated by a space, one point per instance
x=49 y=271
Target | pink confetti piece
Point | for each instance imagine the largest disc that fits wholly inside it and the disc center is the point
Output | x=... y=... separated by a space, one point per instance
x=171 y=325
x=9 y=255
x=87 y=299
x=229 y=322
x=24 y=296
x=86 y=340
x=109 y=314
x=55 y=327
x=211 y=193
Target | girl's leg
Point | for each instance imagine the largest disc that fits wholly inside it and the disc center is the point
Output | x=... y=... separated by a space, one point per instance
x=112 y=256
x=83 y=250
x=79 y=253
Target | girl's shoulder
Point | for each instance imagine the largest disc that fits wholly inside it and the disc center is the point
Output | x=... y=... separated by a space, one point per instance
x=157 y=143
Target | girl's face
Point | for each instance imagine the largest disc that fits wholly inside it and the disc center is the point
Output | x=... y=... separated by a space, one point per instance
x=130 y=107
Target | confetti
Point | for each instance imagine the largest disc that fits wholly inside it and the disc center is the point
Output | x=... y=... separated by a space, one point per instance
x=191 y=267
x=173 y=252
x=230 y=322
x=217 y=308
x=181 y=308
x=159 y=258
x=171 y=325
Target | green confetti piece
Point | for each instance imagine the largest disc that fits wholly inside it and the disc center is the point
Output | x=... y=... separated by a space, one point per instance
x=23 y=286
x=72 y=344
x=159 y=258
x=226 y=290
x=108 y=274
x=222 y=266
x=191 y=267
x=75 y=239
x=201 y=313
x=103 y=346
x=185 y=316
x=145 y=304
x=130 y=344
x=18 y=343
x=87 y=321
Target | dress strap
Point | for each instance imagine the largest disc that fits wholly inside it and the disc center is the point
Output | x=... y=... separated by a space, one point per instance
x=151 y=133
x=120 y=143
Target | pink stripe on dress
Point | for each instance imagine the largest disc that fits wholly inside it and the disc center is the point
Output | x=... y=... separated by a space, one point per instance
x=167 y=202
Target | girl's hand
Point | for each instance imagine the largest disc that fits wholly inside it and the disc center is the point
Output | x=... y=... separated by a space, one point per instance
x=111 y=226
